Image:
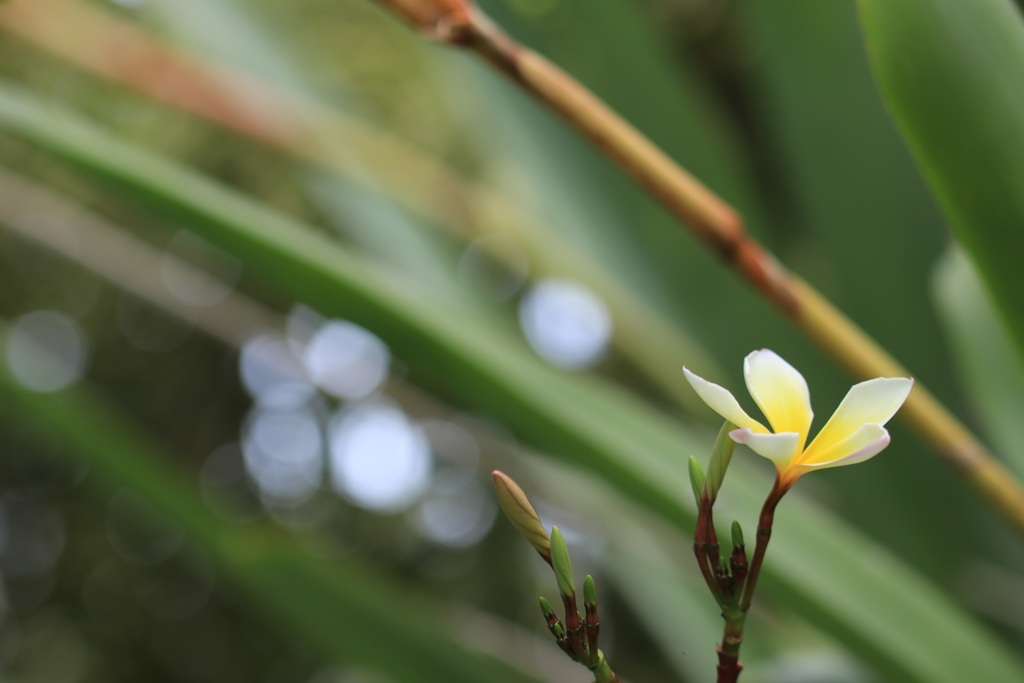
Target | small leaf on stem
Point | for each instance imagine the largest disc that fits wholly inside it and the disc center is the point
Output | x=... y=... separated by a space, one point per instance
x=589 y=592
x=737 y=535
x=721 y=455
x=547 y=610
x=696 y=478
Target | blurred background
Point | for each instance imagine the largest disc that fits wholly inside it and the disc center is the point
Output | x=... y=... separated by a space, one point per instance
x=282 y=282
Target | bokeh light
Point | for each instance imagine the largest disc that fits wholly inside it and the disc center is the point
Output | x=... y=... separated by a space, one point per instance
x=345 y=360
x=567 y=324
x=46 y=351
x=272 y=374
x=457 y=511
x=379 y=459
x=283 y=453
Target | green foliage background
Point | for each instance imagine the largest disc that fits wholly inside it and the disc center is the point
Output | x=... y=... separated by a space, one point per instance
x=892 y=571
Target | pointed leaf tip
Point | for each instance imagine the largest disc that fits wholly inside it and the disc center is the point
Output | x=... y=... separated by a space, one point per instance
x=561 y=564
x=737 y=535
x=721 y=456
x=589 y=592
x=696 y=479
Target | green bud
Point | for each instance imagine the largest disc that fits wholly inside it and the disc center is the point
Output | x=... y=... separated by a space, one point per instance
x=589 y=592
x=557 y=630
x=547 y=610
x=720 y=457
x=522 y=515
x=561 y=564
x=737 y=535
x=696 y=478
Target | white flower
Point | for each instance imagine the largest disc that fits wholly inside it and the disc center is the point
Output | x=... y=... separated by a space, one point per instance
x=854 y=433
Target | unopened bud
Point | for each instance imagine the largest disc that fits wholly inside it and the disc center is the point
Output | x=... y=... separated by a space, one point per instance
x=737 y=535
x=561 y=564
x=589 y=592
x=720 y=458
x=696 y=479
x=522 y=515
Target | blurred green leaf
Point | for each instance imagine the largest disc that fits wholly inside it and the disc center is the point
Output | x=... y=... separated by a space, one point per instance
x=837 y=578
x=345 y=611
x=563 y=222
x=987 y=363
x=864 y=229
x=950 y=74
x=366 y=217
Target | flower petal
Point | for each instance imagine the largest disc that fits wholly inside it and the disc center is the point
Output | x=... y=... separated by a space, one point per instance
x=722 y=402
x=872 y=402
x=779 y=448
x=865 y=443
x=780 y=392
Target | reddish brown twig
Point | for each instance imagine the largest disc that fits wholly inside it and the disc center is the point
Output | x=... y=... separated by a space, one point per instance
x=764 y=535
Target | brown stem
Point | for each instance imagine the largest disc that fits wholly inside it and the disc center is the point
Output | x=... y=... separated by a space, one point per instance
x=702 y=545
x=714 y=220
x=558 y=631
x=433 y=16
x=738 y=564
x=573 y=628
x=593 y=630
x=764 y=535
x=729 y=665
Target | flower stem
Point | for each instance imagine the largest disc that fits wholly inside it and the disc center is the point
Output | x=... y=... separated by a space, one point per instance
x=729 y=665
x=734 y=611
x=764 y=535
x=705 y=547
x=602 y=672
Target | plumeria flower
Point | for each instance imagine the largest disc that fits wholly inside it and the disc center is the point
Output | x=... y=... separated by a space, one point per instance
x=854 y=433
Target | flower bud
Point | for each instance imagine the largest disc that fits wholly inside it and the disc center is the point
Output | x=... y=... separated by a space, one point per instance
x=589 y=592
x=696 y=479
x=561 y=564
x=720 y=458
x=737 y=535
x=547 y=610
x=522 y=515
